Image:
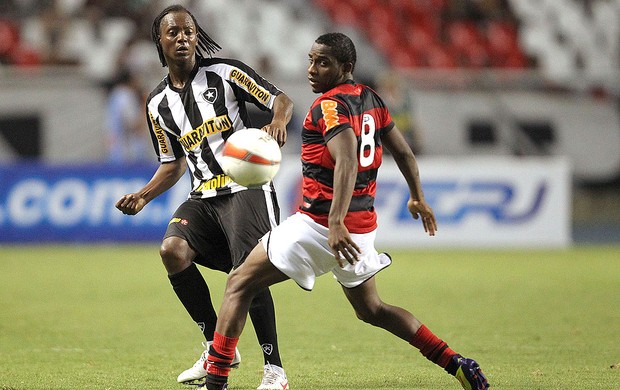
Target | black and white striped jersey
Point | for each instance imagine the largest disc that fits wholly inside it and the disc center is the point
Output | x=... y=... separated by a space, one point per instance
x=195 y=121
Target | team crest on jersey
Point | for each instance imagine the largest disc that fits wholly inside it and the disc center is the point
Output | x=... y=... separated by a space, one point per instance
x=210 y=95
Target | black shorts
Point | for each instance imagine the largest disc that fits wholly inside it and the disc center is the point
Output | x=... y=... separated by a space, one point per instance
x=224 y=229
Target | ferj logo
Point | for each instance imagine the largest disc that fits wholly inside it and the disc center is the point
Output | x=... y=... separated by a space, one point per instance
x=182 y=221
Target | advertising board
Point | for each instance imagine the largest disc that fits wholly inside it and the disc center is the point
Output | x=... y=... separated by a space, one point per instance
x=478 y=202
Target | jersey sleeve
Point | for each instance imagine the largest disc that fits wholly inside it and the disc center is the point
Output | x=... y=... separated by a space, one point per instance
x=386 y=123
x=331 y=117
x=250 y=86
x=166 y=147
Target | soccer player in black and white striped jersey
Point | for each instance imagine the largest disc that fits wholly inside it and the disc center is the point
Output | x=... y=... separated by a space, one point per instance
x=191 y=113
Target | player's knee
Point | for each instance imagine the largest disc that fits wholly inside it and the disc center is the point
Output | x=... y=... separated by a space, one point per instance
x=172 y=258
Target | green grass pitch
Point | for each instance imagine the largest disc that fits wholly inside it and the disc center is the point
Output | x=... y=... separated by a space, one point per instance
x=105 y=317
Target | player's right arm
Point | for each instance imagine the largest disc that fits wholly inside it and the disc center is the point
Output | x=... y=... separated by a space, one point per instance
x=282 y=113
x=167 y=175
x=343 y=149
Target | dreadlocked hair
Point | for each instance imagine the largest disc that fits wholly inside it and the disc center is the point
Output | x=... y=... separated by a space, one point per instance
x=206 y=45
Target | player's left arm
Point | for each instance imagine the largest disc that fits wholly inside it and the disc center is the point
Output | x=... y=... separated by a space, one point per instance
x=282 y=113
x=343 y=148
x=394 y=141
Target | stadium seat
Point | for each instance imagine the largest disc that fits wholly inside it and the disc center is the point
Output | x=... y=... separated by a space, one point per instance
x=501 y=36
x=462 y=34
x=420 y=37
x=474 y=56
x=9 y=37
x=25 y=57
x=438 y=56
x=405 y=59
x=346 y=15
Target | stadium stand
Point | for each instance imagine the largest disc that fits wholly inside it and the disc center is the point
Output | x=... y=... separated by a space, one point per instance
x=435 y=33
x=560 y=38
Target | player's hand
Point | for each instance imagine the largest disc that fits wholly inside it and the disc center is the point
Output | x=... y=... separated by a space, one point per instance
x=344 y=248
x=131 y=204
x=419 y=208
x=277 y=131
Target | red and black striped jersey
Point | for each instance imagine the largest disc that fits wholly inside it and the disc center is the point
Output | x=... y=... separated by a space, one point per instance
x=348 y=105
x=194 y=122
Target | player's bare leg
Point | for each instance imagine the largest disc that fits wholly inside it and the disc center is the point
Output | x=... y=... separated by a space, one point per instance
x=254 y=275
x=371 y=309
x=398 y=321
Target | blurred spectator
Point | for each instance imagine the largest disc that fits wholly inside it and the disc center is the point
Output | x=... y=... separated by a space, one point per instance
x=398 y=99
x=139 y=58
x=127 y=138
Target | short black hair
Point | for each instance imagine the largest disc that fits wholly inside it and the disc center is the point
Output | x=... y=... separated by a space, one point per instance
x=206 y=46
x=342 y=45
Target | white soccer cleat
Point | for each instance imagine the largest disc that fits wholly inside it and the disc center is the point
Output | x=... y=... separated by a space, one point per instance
x=274 y=378
x=198 y=371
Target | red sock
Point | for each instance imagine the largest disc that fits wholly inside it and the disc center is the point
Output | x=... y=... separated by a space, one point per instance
x=221 y=355
x=432 y=347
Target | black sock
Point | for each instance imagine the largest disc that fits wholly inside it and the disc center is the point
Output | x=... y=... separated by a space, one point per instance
x=215 y=382
x=193 y=292
x=263 y=317
x=451 y=367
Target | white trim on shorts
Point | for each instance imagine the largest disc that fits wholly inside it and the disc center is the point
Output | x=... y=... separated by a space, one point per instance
x=298 y=247
x=270 y=209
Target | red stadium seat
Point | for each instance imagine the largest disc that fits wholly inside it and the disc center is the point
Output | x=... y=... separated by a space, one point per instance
x=462 y=34
x=405 y=58
x=474 y=56
x=441 y=58
x=501 y=37
x=420 y=37
x=9 y=37
x=347 y=15
x=503 y=45
x=25 y=57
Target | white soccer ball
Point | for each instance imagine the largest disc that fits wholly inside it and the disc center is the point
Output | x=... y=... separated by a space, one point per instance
x=251 y=157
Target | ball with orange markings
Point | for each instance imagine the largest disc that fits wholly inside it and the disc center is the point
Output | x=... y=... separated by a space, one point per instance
x=251 y=157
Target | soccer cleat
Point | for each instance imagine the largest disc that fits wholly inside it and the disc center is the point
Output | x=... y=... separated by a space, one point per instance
x=274 y=378
x=198 y=371
x=469 y=374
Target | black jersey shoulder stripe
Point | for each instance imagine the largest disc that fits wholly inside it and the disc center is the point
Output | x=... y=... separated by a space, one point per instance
x=166 y=115
x=158 y=89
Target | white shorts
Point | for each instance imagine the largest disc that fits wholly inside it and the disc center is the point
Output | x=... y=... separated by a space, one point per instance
x=298 y=247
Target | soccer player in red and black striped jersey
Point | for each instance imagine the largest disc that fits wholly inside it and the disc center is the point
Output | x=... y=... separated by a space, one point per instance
x=191 y=114
x=334 y=230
